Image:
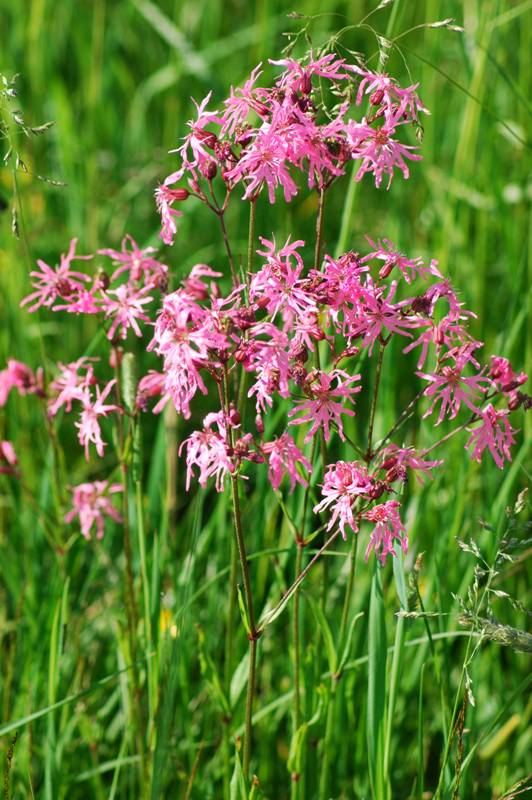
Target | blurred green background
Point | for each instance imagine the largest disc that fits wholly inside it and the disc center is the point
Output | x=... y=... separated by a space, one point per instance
x=116 y=77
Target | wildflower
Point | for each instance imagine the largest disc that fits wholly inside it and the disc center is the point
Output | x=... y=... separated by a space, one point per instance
x=387 y=528
x=379 y=152
x=209 y=451
x=83 y=302
x=240 y=102
x=504 y=376
x=91 y=503
x=494 y=433
x=343 y=483
x=279 y=281
x=374 y=314
x=164 y=200
x=8 y=458
x=125 y=305
x=323 y=406
x=139 y=264
x=284 y=455
x=92 y=409
x=19 y=376
x=451 y=388
x=396 y=460
x=384 y=250
x=70 y=385
x=61 y=282
x=264 y=162
x=152 y=385
x=298 y=77
x=384 y=92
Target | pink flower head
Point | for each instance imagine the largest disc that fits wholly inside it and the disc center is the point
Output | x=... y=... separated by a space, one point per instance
x=196 y=151
x=494 y=433
x=284 y=456
x=298 y=76
x=125 y=306
x=384 y=250
x=344 y=482
x=139 y=264
x=387 y=528
x=83 y=302
x=374 y=314
x=504 y=376
x=8 y=458
x=240 y=103
x=19 y=376
x=152 y=385
x=384 y=93
x=164 y=200
x=396 y=460
x=70 y=384
x=49 y=284
x=379 y=152
x=92 y=409
x=451 y=388
x=325 y=405
x=278 y=282
x=264 y=162
x=91 y=504
x=208 y=450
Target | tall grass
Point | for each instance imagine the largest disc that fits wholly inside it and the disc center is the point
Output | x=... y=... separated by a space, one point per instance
x=379 y=694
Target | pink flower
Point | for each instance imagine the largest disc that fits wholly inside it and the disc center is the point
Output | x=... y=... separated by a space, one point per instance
x=92 y=409
x=323 y=406
x=91 y=503
x=140 y=264
x=19 y=376
x=379 y=151
x=384 y=93
x=375 y=314
x=494 y=433
x=504 y=376
x=344 y=482
x=70 y=385
x=298 y=76
x=125 y=305
x=396 y=460
x=240 y=102
x=61 y=282
x=83 y=302
x=208 y=450
x=388 y=527
x=152 y=385
x=8 y=458
x=279 y=281
x=164 y=200
x=271 y=362
x=284 y=456
x=451 y=388
x=409 y=268
x=264 y=162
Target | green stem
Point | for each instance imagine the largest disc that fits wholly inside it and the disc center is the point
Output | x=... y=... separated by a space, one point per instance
x=251 y=237
x=374 y=402
x=229 y=643
x=253 y=633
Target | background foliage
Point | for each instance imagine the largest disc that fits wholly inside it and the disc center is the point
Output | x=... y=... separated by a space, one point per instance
x=117 y=78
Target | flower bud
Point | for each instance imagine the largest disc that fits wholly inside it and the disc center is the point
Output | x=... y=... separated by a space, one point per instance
x=376 y=97
x=259 y=424
x=209 y=170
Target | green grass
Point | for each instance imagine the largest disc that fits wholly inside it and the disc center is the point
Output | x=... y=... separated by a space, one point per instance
x=116 y=78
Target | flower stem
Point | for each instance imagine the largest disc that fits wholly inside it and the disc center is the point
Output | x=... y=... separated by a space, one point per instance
x=251 y=236
x=374 y=402
x=229 y=643
x=253 y=634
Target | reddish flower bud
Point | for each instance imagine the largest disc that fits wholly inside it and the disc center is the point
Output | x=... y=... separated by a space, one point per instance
x=209 y=170
x=376 y=97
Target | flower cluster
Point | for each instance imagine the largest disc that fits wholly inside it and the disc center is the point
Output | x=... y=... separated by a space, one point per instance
x=263 y=137
x=119 y=297
x=290 y=336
